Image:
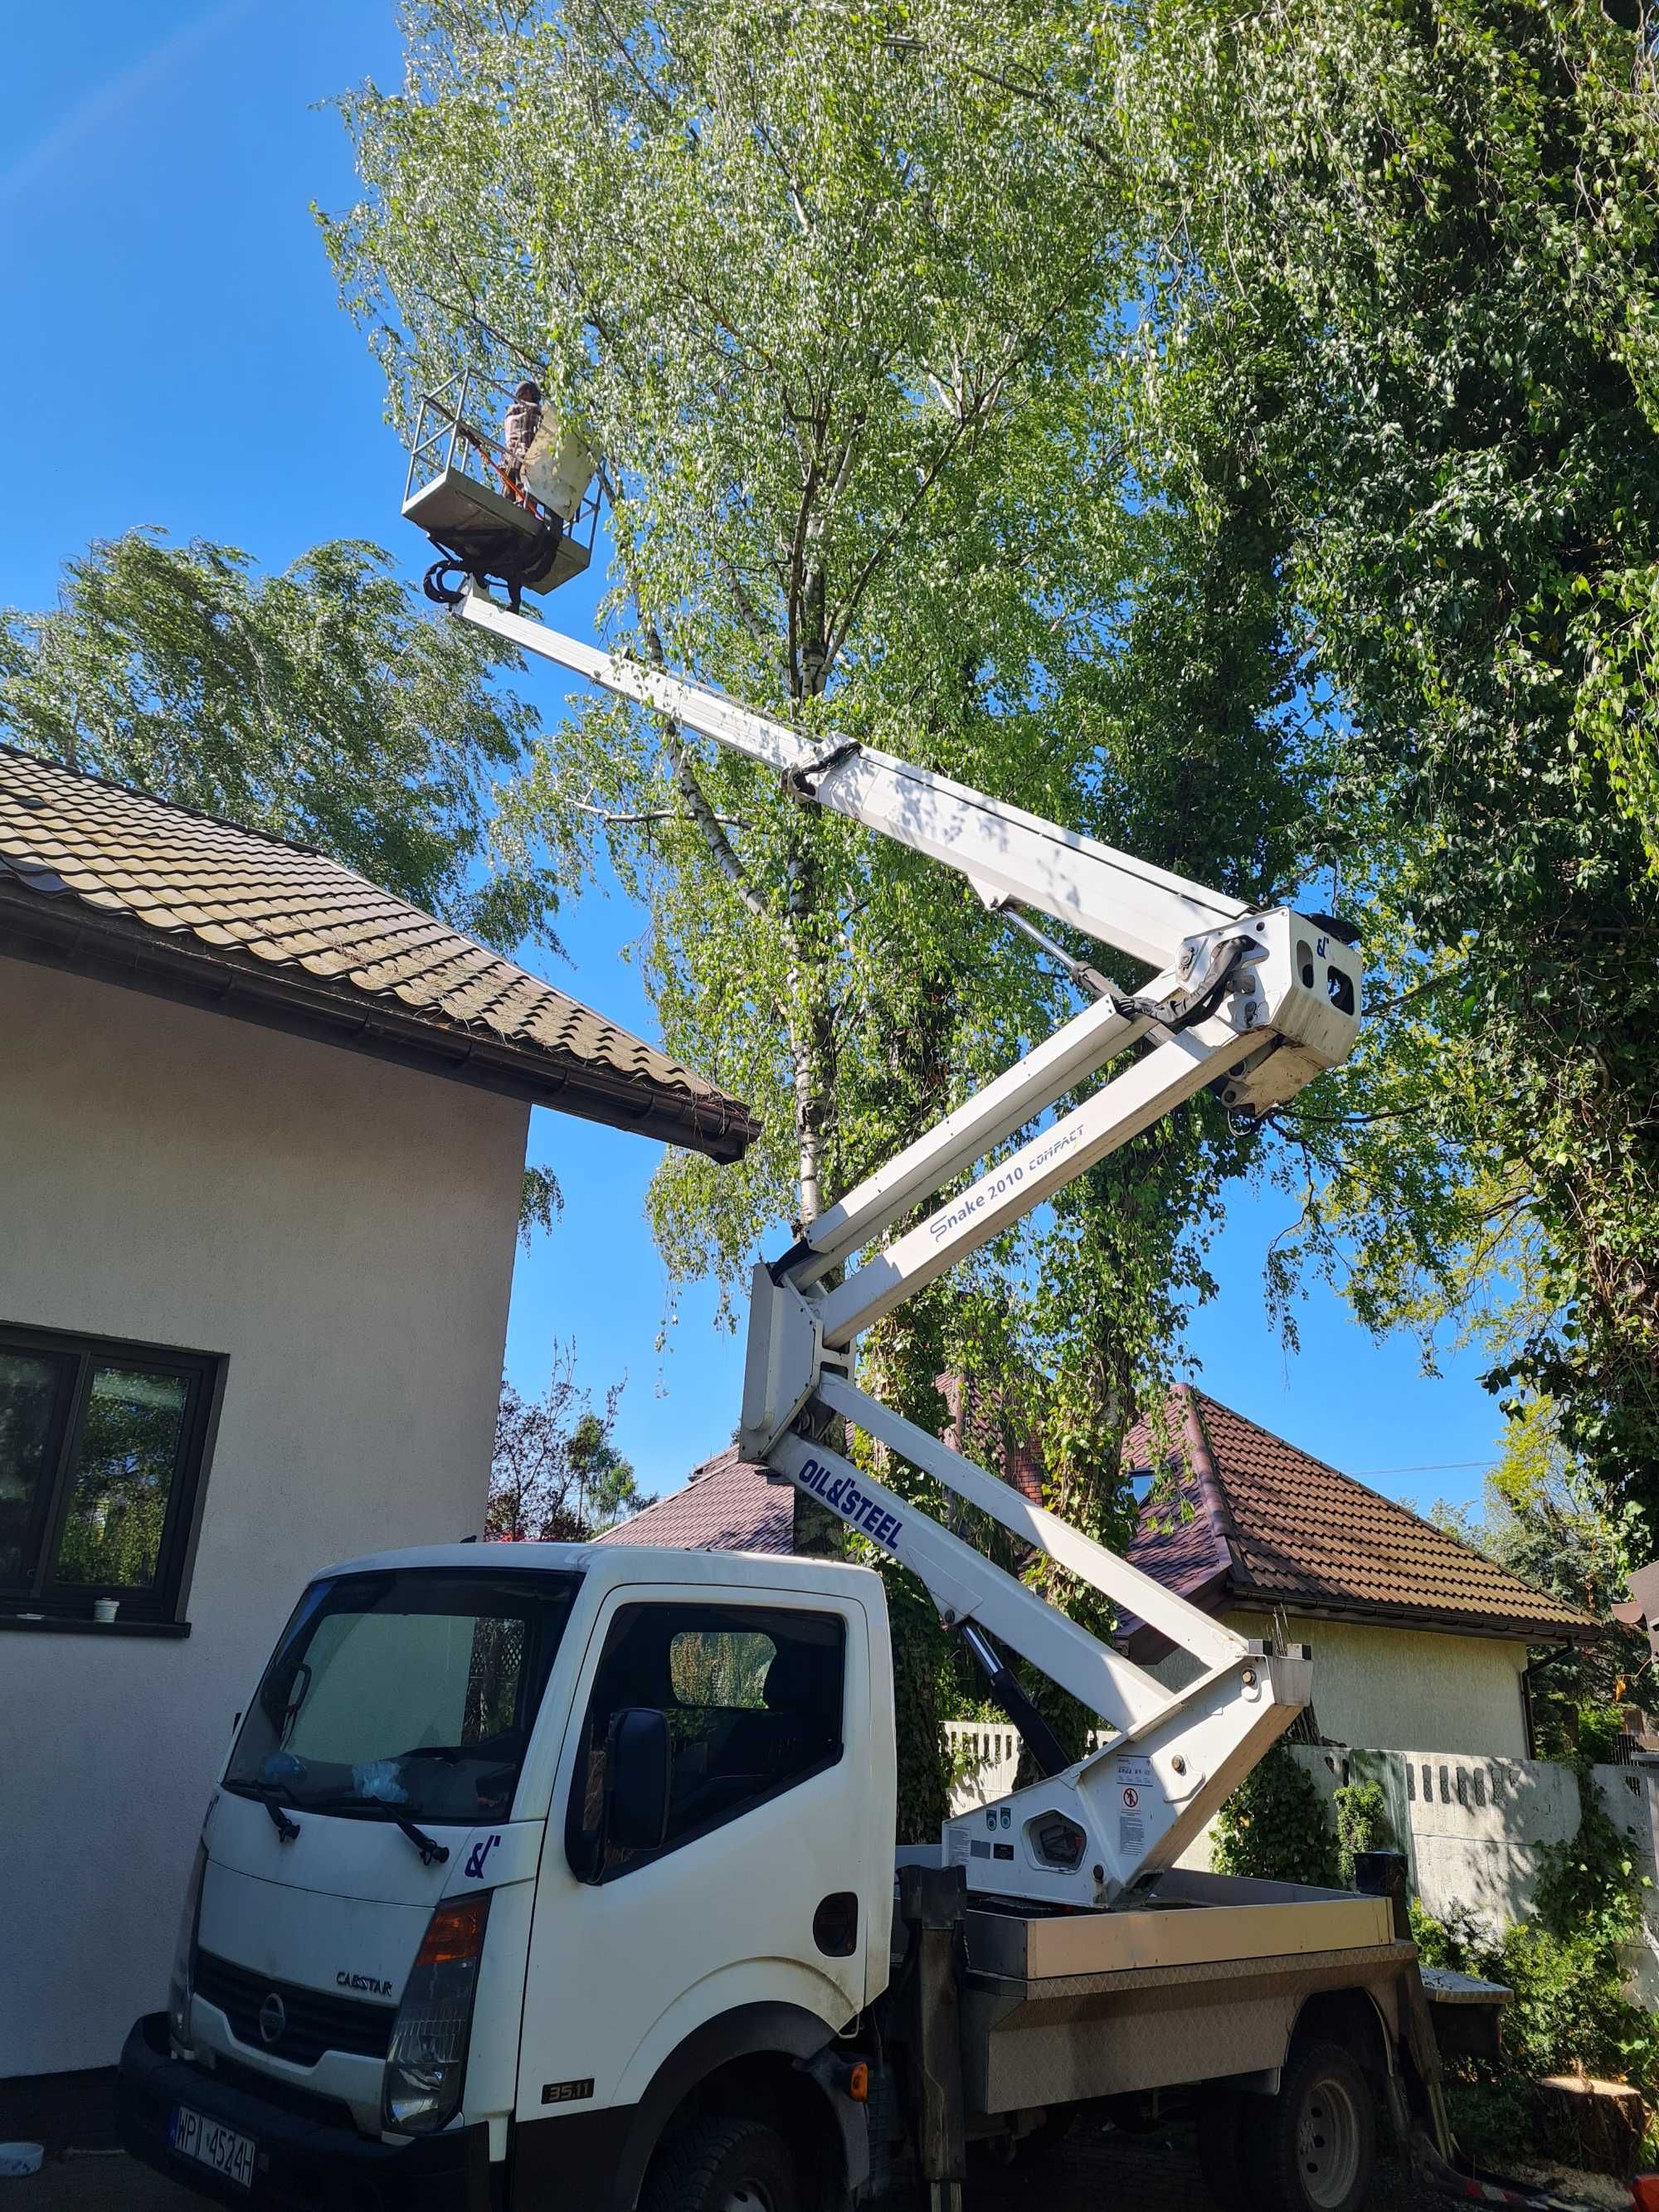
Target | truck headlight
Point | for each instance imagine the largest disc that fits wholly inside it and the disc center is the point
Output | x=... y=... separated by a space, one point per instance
x=184 y=1955
x=425 y=2064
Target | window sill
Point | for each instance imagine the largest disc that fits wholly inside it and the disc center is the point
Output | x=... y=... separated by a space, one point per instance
x=64 y=1624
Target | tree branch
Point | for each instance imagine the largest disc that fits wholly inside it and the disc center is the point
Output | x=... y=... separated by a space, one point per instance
x=720 y=848
x=651 y=814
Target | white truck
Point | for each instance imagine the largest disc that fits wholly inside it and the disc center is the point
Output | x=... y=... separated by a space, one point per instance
x=547 y=1875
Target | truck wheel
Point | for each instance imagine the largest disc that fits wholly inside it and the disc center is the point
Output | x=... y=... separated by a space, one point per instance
x=1313 y=2147
x=723 y=2165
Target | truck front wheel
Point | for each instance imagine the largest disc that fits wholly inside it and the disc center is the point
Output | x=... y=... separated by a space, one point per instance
x=723 y=2165
x=1313 y=2147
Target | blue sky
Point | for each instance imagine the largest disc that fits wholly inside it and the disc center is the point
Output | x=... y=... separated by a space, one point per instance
x=175 y=356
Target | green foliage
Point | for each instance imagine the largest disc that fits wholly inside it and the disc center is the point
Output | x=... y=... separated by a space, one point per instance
x=1362 y=1825
x=1276 y=1826
x=722 y=1666
x=1550 y=1520
x=540 y=1203
x=854 y=337
x=1590 y=1887
x=1423 y=241
x=556 y=1475
x=1570 y=2011
x=324 y=704
x=919 y=1662
x=123 y=1479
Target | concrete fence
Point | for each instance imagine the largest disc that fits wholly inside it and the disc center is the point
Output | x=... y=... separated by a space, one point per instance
x=1472 y=1828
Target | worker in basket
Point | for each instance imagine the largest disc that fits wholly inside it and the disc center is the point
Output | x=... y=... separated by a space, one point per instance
x=523 y=420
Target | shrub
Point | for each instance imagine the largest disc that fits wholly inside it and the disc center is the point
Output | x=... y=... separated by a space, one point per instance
x=1275 y=1825
x=1362 y=1825
x=1570 y=2012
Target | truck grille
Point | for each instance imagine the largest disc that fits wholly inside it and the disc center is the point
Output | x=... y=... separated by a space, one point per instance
x=312 y=2021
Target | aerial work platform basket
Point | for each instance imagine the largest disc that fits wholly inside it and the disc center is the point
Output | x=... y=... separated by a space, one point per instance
x=528 y=519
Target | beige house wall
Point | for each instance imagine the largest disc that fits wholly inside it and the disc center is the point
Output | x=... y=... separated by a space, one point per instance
x=1397 y=1689
x=343 y=1231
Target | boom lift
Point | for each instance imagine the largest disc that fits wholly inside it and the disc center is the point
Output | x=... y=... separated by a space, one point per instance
x=1253 y=1003
x=612 y=1937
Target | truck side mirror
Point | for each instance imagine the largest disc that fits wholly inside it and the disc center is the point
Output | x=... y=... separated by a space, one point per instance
x=636 y=1778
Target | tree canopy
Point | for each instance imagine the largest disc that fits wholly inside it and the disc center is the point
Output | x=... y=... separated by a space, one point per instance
x=856 y=338
x=1234 y=436
x=1421 y=237
x=323 y=704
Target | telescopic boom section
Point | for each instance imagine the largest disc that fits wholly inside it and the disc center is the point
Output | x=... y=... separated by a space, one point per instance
x=1254 y=1003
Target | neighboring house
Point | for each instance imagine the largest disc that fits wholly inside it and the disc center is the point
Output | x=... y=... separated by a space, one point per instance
x=262 y=1143
x=1420 y=1641
x=728 y=1504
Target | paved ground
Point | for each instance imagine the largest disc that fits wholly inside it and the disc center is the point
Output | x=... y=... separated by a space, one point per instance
x=1093 y=2170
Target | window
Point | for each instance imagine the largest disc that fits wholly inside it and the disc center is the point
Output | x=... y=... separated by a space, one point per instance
x=753 y=1701
x=102 y=1450
x=411 y=1691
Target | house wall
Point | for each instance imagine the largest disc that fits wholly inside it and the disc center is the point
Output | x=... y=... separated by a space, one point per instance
x=1401 y=1688
x=344 y=1230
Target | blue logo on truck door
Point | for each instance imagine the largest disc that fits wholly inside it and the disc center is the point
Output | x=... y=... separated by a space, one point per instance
x=843 y=1495
x=476 y=1856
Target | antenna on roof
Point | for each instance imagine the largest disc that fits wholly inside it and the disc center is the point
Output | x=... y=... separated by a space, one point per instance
x=519 y=506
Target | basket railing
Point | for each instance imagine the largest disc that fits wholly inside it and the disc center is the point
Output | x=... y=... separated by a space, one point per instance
x=448 y=440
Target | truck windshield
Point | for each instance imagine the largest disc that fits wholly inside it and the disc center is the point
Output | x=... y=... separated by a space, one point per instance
x=406 y=1694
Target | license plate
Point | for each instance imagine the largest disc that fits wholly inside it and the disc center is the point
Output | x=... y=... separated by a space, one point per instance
x=212 y=2144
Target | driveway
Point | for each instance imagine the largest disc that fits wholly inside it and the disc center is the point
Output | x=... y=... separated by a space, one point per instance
x=1093 y=2168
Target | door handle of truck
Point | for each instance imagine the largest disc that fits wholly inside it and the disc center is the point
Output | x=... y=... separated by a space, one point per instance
x=836 y=1924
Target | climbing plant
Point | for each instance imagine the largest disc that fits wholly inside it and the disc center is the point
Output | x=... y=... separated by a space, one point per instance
x=1361 y=1810
x=1276 y=1826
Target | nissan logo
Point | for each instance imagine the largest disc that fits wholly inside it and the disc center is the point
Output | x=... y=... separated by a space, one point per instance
x=273 y=2017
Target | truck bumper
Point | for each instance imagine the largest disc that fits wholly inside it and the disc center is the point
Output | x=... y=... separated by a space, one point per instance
x=303 y=2164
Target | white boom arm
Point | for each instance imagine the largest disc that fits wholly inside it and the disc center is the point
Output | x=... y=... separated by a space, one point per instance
x=1254 y=1002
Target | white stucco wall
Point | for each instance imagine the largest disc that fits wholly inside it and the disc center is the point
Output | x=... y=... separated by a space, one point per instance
x=341 y=1228
x=1397 y=1689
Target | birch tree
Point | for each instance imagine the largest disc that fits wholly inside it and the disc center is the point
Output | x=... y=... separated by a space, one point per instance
x=854 y=337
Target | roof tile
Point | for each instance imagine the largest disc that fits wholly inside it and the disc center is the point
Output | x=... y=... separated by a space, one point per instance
x=1246 y=1515
x=727 y=1505
x=253 y=899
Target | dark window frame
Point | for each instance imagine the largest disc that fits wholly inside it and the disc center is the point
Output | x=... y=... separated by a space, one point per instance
x=580 y=1839
x=161 y=1603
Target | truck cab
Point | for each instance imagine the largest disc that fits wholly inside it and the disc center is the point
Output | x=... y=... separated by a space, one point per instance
x=517 y=1854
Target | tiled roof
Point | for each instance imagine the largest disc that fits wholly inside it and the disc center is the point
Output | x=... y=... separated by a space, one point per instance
x=99 y=877
x=728 y=1505
x=1250 y=1519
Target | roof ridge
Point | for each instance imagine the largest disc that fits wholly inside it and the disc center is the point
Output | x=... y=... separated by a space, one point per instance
x=1208 y=1476
x=1394 y=1508
x=704 y=1468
